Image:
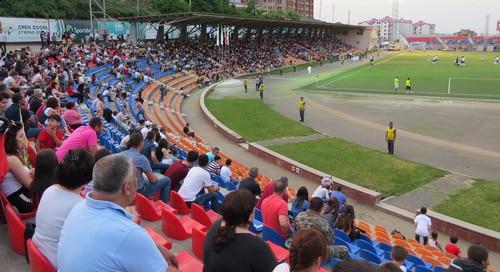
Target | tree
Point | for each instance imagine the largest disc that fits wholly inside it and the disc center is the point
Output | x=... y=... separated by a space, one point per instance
x=170 y=6
x=251 y=8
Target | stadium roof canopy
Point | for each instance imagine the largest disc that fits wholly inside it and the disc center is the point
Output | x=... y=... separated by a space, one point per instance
x=198 y=18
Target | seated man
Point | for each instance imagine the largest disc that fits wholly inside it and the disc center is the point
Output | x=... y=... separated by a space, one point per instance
x=312 y=219
x=477 y=260
x=275 y=211
x=214 y=167
x=180 y=168
x=398 y=256
x=249 y=183
x=268 y=191
x=99 y=234
x=155 y=182
x=341 y=197
x=225 y=172
x=194 y=184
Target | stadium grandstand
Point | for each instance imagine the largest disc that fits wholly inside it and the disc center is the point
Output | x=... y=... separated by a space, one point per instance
x=453 y=42
x=102 y=172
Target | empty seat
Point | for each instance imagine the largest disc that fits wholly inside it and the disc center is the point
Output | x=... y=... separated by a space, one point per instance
x=420 y=268
x=188 y=263
x=206 y=218
x=280 y=253
x=151 y=211
x=197 y=239
x=159 y=240
x=369 y=256
x=38 y=261
x=367 y=246
x=342 y=235
x=269 y=234
x=178 y=228
x=256 y=226
x=352 y=248
x=178 y=203
x=15 y=230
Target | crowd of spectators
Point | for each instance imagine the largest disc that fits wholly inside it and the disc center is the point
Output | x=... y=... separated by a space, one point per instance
x=81 y=193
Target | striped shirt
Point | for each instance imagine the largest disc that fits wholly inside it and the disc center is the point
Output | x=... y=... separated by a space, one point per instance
x=214 y=168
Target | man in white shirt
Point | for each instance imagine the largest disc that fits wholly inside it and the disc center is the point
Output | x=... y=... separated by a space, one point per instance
x=423 y=225
x=323 y=191
x=197 y=179
x=146 y=128
x=225 y=172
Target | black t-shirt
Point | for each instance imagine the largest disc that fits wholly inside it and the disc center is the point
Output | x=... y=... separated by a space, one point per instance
x=35 y=104
x=12 y=113
x=246 y=253
x=251 y=185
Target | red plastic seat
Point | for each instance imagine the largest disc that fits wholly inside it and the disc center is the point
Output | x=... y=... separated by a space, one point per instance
x=6 y=202
x=151 y=211
x=178 y=228
x=178 y=203
x=278 y=252
x=206 y=218
x=197 y=239
x=188 y=263
x=15 y=230
x=159 y=240
x=38 y=261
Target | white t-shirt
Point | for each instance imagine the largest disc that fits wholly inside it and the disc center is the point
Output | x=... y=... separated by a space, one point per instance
x=54 y=207
x=423 y=223
x=282 y=267
x=10 y=184
x=225 y=173
x=144 y=132
x=321 y=192
x=196 y=179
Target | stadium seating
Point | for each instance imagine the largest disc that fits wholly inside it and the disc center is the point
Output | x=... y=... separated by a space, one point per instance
x=178 y=228
x=38 y=262
x=151 y=211
x=159 y=240
x=188 y=263
x=268 y=234
x=178 y=203
x=280 y=253
x=15 y=230
x=206 y=218
x=197 y=239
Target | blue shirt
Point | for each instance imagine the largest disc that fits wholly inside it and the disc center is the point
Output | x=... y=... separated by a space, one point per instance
x=210 y=156
x=101 y=236
x=141 y=164
x=149 y=146
x=340 y=197
x=302 y=208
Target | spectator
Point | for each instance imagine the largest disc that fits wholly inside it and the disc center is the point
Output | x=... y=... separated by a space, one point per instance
x=301 y=202
x=44 y=175
x=149 y=151
x=146 y=128
x=36 y=100
x=72 y=116
x=229 y=244
x=211 y=154
x=341 y=197
x=58 y=200
x=312 y=219
x=17 y=182
x=269 y=190
x=124 y=141
x=389 y=267
x=187 y=131
x=101 y=153
x=214 y=167
x=452 y=247
x=275 y=211
x=4 y=103
x=331 y=212
x=307 y=252
x=164 y=154
x=84 y=137
x=51 y=136
x=347 y=222
x=152 y=184
x=225 y=172
x=349 y=265
x=323 y=191
x=249 y=183
x=423 y=224
x=113 y=242
x=197 y=180
x=16 y=112
x=398 y=256
x=477 y=260
x=178 y=171
x=433 y=241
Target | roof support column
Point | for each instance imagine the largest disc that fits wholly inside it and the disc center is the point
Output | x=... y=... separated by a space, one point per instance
x=203 y=32
x=183 y=28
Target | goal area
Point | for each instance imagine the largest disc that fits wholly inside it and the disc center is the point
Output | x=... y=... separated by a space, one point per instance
x=474 y=87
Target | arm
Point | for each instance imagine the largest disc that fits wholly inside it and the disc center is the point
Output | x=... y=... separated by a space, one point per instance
x=284 y=223
x=151 y=176
x=17 y=170
x=93 y=150
x=37 y=145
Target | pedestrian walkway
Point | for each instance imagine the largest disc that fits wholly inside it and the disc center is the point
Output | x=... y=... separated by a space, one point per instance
x=292 y=140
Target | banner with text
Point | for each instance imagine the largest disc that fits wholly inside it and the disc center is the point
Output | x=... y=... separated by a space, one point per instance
x=27 y=29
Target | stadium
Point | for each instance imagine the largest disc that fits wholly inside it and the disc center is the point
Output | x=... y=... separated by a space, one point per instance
x=198 y=136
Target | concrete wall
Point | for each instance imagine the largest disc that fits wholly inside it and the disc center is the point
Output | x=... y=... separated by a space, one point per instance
x=363 y=40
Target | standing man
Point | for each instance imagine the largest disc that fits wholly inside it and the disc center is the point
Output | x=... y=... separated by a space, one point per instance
x=257 y=84
x=163 y=92
x=408 y=86
x=396 y=85
x=245 y=84
x=390 y=137
x=302 y=108
x=261 y=91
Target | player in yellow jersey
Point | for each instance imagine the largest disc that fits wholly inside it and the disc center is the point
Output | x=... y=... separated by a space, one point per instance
x=245 y=84
x=261 y=91
x=408 y=86
x=302 y=108
x=390 y=137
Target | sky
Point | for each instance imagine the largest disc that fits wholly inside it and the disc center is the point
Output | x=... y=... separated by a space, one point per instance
x=449 y=16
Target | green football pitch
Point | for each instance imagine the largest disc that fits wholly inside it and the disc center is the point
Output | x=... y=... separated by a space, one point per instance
x=479 y=78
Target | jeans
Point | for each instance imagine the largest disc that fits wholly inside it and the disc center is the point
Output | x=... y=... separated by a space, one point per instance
x=417 y=237
x=390 y=146
x=203 y=199
x=301 y=113
x=261 y=95
x=160 y=167
x=161 y=185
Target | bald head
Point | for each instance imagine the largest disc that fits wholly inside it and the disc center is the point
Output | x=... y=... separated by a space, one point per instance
x=111 y=172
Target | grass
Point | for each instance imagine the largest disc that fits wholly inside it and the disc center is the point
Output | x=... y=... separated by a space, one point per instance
x=254 y=120
x=299 y=67
x=477 y=205
x=477 y=79
x=360 y=165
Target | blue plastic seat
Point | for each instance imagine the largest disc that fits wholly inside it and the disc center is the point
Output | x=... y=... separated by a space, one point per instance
x=416 y=261
x=256 y=226
x=367 y=246
x=369 y=256
x=352 y=248
x=269 y=234
x=420 y=268
x=385 y=247
x=230 y=186
x=258 y=214
x=342 y=235
x=439 y=269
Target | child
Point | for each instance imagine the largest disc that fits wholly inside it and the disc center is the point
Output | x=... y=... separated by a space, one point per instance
x=423 y=224
x=452 y=247
x=433 y=242
x=51 y=136
x=398 y=256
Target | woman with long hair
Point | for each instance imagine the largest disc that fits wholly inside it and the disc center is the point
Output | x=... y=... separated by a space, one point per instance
x=301 y=202
x=44 y=175
x=229 y=245
x=331 y=211
x=17 y=181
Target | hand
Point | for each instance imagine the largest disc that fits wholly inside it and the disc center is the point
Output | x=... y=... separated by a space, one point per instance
x=169 y=256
